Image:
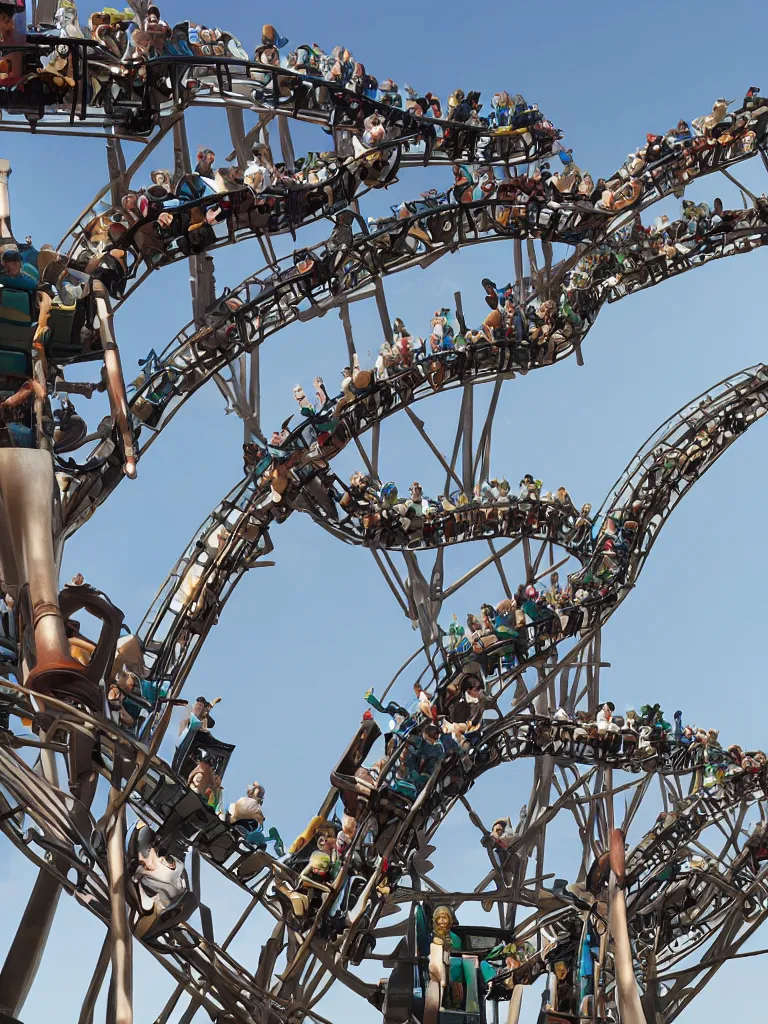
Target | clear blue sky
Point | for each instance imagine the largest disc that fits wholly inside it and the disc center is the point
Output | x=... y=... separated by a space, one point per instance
x=300 y=643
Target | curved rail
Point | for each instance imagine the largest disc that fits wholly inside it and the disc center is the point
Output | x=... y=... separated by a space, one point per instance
x=164 y=85
x=211 y=217
x=262 y=308
x=659 y=475
x=643 y=499
x=159 y=797
x=61 y=842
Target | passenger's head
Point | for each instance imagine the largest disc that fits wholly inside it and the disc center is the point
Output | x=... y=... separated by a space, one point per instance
x=12 y=262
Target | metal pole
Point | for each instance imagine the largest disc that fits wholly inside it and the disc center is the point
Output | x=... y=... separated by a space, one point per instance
x=628 y=998
x=122 y=951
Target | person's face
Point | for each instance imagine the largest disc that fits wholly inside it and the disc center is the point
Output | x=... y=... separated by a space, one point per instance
x=325 y=842
x=498 y=830
x=12 y=266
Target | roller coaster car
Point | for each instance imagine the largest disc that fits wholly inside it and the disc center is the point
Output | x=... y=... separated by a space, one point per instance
x=70 y=430
x=344 y=777
x=149 y=405
x=186 y=818
x=464 y=1001
x=201 y=746
x=158 y=887
x=65 y=343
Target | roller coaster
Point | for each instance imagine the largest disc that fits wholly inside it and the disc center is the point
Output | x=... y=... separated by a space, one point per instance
x=663 y=894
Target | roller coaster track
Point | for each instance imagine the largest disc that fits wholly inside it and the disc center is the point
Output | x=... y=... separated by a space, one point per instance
x=242 y=214
x=247 y=85
x=63 y=834
x=725 y=407
x=198 y=353
x=728 y=408
x=741 y=395
x=236 y=537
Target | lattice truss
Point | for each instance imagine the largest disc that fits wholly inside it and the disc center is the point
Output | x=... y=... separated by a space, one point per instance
x=667 y=831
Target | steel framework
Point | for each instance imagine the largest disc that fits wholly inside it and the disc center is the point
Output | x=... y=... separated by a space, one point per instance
x=658 y=902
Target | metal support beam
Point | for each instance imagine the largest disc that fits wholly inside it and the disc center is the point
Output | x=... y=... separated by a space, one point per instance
x=467 y=422
x=120 y=933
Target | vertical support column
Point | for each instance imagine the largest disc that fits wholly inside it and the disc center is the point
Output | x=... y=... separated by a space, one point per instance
x=467 y=453
x=628 y=998
x=121 y=938
x=286 y=144
x=375 y=438
x=237 y=135
x=181 y=159
x=515 y=1005
x=201 y=278
x=593 y=670
x=6 y=232
x=118 y=399
x=381 y=305
x=202 y=283
x=519 y=284
x=116 y=167
x=344 y=317
x=254 y=393
x=243 y=361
